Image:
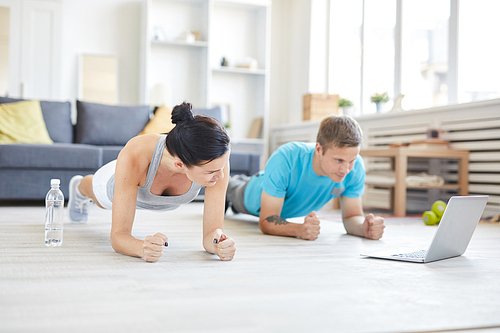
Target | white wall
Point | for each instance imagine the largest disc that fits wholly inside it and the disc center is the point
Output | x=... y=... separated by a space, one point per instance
x=298 y=71
x=112 y=27
x=290 y=31
x=298 y=63
x=109 y=27
x=4 y=50
x=318 y=47
x=280 y=47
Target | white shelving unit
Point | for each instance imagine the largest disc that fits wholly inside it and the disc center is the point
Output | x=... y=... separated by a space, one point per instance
x=175 y=69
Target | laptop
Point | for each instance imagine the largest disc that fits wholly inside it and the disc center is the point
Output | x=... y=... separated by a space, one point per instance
x=452 y=237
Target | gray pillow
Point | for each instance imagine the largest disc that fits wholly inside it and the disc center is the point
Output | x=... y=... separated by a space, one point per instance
x=57 y=116
x=215 y=112
x=100 y=124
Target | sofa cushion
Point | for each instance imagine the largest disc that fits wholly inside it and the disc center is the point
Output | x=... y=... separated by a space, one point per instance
x=101 y=124
x=33 y=184
x=22 y=122
x=215 y=112
x=161 y=122
x=110 y=153
x=55 y=156
x=57 y=116
x=162 y=119
x=244 y=163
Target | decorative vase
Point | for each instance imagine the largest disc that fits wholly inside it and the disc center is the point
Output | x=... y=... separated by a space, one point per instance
x=380 y=106
x=347 y=111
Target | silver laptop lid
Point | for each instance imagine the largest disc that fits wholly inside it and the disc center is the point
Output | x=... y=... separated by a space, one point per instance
x=456 y=227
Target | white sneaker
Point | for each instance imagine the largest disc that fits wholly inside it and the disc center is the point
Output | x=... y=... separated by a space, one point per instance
x=77 y=204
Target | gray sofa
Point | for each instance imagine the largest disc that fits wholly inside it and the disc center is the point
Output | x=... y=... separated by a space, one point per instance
x=100 y=133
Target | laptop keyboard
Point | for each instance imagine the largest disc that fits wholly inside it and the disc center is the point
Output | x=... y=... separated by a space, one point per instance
x=417 y=254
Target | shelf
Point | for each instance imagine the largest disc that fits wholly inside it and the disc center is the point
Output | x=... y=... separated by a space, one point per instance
x=237 y=70
x=446 y=186
x=200 y=44
x=400 y=157
x=246 y=145
x=244 y=3
x=174 y=70
x=412 y=152
x=248 y=141
x=194 y=2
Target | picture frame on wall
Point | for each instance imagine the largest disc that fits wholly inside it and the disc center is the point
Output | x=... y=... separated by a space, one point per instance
x=98 y=79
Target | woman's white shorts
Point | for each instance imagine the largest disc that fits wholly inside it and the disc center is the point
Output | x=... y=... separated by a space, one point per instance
x=100 y=183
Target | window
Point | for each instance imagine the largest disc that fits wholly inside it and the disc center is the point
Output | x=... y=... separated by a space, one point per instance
x=424 y=57
x=378 y=53
x=478 y=53
x=345 y=50
x=410 y=47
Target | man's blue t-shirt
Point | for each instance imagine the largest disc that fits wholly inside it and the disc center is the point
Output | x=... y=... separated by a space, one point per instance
x=289 y=174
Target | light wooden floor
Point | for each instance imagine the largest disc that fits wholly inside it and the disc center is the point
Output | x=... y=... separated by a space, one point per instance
x=274 y=284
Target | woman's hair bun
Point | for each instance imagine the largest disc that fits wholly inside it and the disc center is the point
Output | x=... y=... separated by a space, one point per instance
x=182 y=112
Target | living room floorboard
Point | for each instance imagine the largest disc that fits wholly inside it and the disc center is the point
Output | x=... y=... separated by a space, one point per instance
x=274 y=284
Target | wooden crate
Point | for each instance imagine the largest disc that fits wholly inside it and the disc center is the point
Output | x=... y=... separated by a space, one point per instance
x=318 y=106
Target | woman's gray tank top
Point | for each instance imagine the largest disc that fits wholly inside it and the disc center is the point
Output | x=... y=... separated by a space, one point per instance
x=148 y=200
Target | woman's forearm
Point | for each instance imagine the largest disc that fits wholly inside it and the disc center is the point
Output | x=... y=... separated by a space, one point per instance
x=208 y=242
x=126 y=244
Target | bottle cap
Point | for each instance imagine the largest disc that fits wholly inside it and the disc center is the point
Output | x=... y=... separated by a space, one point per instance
x=55 y=182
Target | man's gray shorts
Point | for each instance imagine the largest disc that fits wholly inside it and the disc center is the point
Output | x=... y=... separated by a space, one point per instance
x=236 y=193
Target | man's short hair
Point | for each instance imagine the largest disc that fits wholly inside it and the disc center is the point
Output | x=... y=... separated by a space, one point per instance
x=339 y=131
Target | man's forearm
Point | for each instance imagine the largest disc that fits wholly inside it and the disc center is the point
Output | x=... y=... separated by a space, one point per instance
x=354 y=225
x=276 y=225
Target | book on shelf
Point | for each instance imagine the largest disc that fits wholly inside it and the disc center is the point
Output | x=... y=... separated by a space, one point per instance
x=255 y=129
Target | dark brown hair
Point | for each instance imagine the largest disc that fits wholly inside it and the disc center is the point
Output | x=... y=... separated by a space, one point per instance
x=196 y=140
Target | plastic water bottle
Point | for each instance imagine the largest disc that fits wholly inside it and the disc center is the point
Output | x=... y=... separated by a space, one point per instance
x=54 y=211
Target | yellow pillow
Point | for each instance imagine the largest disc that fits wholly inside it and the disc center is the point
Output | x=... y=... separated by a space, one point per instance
x=22 y=122
x=161 y=122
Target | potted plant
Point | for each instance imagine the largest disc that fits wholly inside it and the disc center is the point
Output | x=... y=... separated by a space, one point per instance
x=346 y=106
x=379 y=100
